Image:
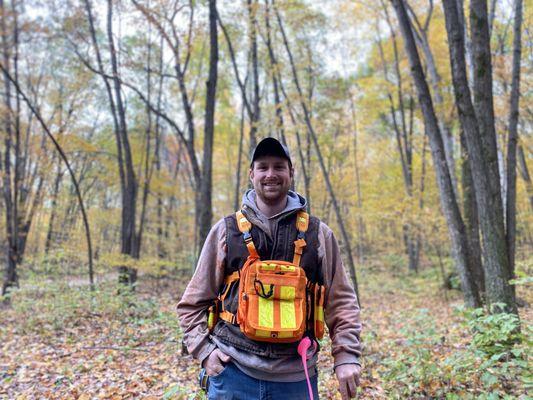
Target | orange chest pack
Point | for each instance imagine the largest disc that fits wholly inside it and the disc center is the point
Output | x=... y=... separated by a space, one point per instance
x=276 y=301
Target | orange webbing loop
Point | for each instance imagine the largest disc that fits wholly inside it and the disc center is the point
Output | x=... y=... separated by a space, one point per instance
x=302 y=223
x=298 y=250
x=245 y=226
x=231 y=278
x=252 y=250
x=234 y=277
x=228 y=317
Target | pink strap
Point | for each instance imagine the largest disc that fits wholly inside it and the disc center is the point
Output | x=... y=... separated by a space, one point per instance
x=303 y=346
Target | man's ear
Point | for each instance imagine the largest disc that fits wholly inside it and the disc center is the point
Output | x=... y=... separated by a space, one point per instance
x=251 y=174
x=291 y=172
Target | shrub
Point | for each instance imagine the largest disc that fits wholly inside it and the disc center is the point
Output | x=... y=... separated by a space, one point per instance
x=494 y=333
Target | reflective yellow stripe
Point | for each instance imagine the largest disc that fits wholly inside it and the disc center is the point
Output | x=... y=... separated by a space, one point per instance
x=285 y=334
x=266 y=310
x=287 y=293
x=287 y=268
x=268 y=267
x=319 y=313
x=287 y=309
x=287 y=315
x=261 y=333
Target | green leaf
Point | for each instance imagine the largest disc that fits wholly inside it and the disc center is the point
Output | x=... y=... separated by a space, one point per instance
x=489 y=379
x=170 y=392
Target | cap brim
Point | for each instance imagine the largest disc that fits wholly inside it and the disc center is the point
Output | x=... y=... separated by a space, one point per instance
x=270 y=147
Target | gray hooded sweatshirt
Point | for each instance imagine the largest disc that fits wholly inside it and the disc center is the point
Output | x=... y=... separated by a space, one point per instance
x=341 y=305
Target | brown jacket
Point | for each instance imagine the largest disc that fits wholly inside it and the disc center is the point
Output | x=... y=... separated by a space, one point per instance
x=341 y=307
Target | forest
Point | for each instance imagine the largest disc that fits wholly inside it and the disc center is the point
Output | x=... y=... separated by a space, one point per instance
x=126 y=131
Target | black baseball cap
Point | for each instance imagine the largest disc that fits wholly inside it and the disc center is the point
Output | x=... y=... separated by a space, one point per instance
x=271 y=147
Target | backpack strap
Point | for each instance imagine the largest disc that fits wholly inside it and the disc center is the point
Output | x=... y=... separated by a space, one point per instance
x=245 y=226
x=302 y=224
x=228 y=283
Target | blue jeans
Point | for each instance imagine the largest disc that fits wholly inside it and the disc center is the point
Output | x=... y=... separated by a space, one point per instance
x=232 y=383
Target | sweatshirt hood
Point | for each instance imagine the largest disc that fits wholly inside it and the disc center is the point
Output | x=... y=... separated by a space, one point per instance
x=295 y=202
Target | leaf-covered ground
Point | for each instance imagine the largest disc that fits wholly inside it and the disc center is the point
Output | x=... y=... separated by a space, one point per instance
x=61 y=342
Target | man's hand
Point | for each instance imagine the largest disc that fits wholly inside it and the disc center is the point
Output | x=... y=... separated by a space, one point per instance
x=214 y=363
x=348 y=377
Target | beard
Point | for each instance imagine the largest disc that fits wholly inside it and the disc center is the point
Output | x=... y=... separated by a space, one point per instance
x=272 y=192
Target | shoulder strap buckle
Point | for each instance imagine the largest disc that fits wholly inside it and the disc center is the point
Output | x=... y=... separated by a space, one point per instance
x=245 y=227
x=302 y=224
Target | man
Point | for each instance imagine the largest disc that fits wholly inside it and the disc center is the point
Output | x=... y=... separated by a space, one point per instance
x=241 y=368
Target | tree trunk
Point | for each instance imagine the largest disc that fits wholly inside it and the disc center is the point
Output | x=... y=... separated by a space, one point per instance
x=127 y=275
x=524 y=172
x=206 y=214
x=421 y=36
x=256 y=110
x=513 y=137
x=449 y=204
x=127 y=177
x=359 y=196
x=482 y=91
x=304 y=166
x=471 y=219
x=403 y=139
x=53 y=206
x=481 y=149
x=280 y=129
x=237 y=198
x=161 y=251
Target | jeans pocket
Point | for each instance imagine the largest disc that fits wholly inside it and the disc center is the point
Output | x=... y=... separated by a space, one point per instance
x=220 y=373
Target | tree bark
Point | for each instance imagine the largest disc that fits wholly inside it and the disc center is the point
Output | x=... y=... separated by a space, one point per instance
x=482 y=91
x=471 y=218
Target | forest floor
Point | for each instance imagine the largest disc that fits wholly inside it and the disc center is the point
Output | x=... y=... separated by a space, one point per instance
x=63 y=342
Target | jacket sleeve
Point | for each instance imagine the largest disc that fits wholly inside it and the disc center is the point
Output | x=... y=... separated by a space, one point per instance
x=341 y=305
x=201 y=291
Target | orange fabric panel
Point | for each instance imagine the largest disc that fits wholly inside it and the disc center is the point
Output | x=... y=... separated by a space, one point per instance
x=277 y=315
x=320 y=292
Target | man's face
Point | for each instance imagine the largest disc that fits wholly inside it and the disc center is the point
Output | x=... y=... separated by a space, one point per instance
x=271 y=178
